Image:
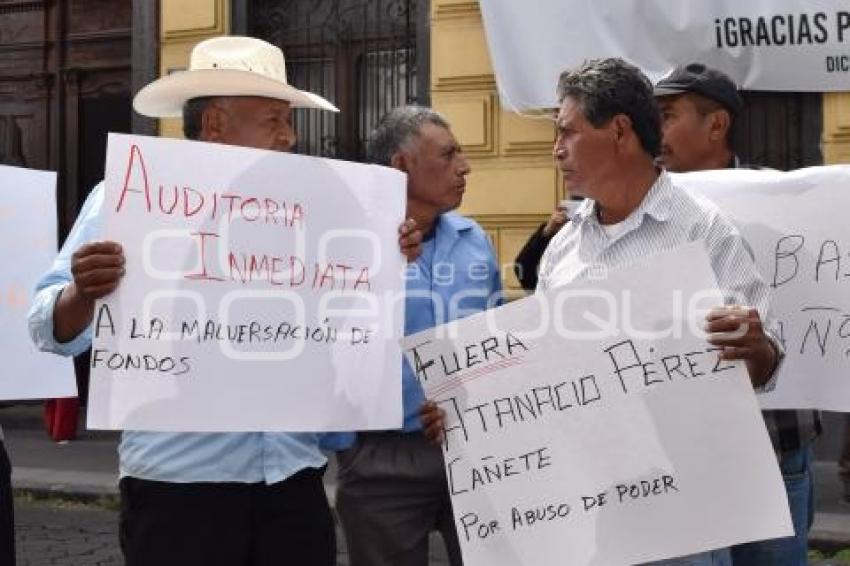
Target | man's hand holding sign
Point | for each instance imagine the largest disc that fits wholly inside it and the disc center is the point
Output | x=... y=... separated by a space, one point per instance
x=97 y=268
x=739 y=334
x=579 y=436
x=735 y=330
x=795 y=223
x=255 y=272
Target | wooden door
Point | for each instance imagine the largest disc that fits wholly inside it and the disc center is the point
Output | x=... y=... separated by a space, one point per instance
x=780 y=130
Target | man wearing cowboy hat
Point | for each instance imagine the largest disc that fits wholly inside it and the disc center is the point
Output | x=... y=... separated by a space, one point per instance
x=201 y=498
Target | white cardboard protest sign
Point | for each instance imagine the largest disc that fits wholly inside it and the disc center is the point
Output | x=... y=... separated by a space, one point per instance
x=781 y=45
x=27 y=246
x=593 y=424
x=797 y=227
x=262 y=291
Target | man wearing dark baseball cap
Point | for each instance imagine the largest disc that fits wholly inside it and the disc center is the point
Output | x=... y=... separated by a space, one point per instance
x=698 y=107
x=699 y=79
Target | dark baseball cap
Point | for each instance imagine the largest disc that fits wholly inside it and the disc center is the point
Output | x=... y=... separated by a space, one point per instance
x=702 y=80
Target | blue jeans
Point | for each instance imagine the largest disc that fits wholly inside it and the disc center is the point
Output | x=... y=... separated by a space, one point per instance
x=796 y=469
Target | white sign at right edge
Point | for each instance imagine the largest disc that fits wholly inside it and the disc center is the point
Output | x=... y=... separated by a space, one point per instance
x=797 y=225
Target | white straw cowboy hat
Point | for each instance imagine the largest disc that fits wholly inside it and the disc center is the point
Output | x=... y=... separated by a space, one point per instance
x=225 y=66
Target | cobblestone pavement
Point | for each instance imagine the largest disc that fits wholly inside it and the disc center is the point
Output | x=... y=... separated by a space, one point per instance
x=52 y=533
x=58 y=533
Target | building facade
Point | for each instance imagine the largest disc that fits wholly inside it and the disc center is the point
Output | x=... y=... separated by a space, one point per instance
x=513 y=185
x=68 y=70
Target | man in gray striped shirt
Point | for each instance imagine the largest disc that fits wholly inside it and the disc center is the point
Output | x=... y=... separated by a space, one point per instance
x=608 y=136
x=698 y=109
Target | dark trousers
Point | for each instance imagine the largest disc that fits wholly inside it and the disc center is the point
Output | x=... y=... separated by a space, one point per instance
x=7 y=510
x=392 y=493
x=227 y=524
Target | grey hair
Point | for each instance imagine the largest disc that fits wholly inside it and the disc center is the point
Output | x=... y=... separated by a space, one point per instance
x=397 y=128
x=607 y=87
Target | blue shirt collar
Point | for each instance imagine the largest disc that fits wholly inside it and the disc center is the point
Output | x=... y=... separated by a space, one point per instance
x=453 y=221
x=448 y=231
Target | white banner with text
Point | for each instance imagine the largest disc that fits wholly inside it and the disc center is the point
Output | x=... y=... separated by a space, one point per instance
x=779 y=45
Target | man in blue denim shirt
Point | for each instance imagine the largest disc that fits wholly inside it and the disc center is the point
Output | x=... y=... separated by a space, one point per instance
x=392 y=489
x=203 y=499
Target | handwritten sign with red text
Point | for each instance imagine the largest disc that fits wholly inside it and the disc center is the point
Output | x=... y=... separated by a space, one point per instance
x=27 y=246
x=263 y=291
x=593 y=424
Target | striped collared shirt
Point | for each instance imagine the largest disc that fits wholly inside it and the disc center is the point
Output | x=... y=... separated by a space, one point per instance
x=667 y=218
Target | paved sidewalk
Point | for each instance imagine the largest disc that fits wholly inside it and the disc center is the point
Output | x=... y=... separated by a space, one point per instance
x=831 y=529
x=55 y=533
x=51 y=533
x=86 y=470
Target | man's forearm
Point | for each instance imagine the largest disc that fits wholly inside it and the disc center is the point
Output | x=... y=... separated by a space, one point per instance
x=72 y=314
x=761 y=367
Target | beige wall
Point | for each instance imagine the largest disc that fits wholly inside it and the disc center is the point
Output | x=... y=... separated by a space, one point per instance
x=182 y=25
x=513 y=185
x=836 y=127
